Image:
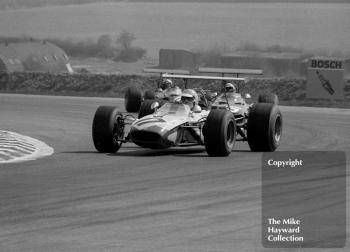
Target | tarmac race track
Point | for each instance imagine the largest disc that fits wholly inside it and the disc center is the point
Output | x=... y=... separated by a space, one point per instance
x=139 y=200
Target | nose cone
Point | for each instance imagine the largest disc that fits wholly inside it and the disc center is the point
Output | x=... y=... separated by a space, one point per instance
x=152 y=137
x=153 y=131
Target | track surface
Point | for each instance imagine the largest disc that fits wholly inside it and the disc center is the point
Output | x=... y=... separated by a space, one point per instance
x=138 y=200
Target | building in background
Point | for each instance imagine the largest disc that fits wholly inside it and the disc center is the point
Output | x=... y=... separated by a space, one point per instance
x=177 y=59
x=272 y=63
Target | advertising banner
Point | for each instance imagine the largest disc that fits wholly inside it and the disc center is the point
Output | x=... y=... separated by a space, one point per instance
x=325 y=78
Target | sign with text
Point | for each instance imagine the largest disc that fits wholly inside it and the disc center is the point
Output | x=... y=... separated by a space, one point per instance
x=304 y=199
x=325 y=78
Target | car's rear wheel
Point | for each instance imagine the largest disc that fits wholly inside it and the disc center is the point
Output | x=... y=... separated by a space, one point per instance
x=264 y=128
x=132 y=99
x=145 y=108
x=107 y=129
x=149 y=95
x=219 y=133
x=268 y=98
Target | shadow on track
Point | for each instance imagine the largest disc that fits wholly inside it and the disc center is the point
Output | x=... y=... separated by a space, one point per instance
x=95 y=151
x=152 y=153
x=193 y=152
x=146 y=152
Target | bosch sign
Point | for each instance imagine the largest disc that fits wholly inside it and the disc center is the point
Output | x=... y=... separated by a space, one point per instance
x=327 y=64
x=325 y=79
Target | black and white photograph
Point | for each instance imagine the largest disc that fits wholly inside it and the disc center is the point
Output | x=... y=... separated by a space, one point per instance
x=174 y=125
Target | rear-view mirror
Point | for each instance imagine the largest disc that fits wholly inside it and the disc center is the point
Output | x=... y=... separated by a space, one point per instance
x=247 y=96
x=155 y=106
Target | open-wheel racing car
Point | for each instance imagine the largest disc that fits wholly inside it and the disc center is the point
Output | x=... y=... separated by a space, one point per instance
x=133 y=98
x=178 y=124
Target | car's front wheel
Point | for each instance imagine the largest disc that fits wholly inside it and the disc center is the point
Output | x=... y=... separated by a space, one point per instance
x=107 y=129
x=264 y=127
x=219 y=133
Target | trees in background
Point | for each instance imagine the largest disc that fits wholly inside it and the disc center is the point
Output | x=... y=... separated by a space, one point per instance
x=126 y=52
x=105 y=45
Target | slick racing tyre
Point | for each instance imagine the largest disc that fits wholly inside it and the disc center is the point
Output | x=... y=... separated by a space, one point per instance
x=107 y=129
x=149 y=95
x=264 y=128
x=219 y=132
x=268 y=98
x=146 y=109
x=4 y=79
x=133 y=98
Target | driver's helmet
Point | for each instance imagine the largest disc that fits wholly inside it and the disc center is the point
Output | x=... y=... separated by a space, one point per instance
x=230 y=88
x=189 y=97
x=174 y=94
x=166 y=84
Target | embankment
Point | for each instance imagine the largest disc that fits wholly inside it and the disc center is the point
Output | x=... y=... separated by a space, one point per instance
x=290 y=91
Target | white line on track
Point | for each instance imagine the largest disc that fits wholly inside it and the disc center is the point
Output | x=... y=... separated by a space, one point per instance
x=16 y=148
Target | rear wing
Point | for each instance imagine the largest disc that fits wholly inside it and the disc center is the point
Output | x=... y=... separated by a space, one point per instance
x=202 y=77
x=198 y=77
x=164 y=70
x=161 y=72
x=223 y=71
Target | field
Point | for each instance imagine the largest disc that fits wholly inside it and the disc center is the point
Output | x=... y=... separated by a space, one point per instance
x=193 y=26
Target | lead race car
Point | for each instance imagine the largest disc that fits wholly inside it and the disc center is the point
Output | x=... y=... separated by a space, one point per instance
x=217 y=127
